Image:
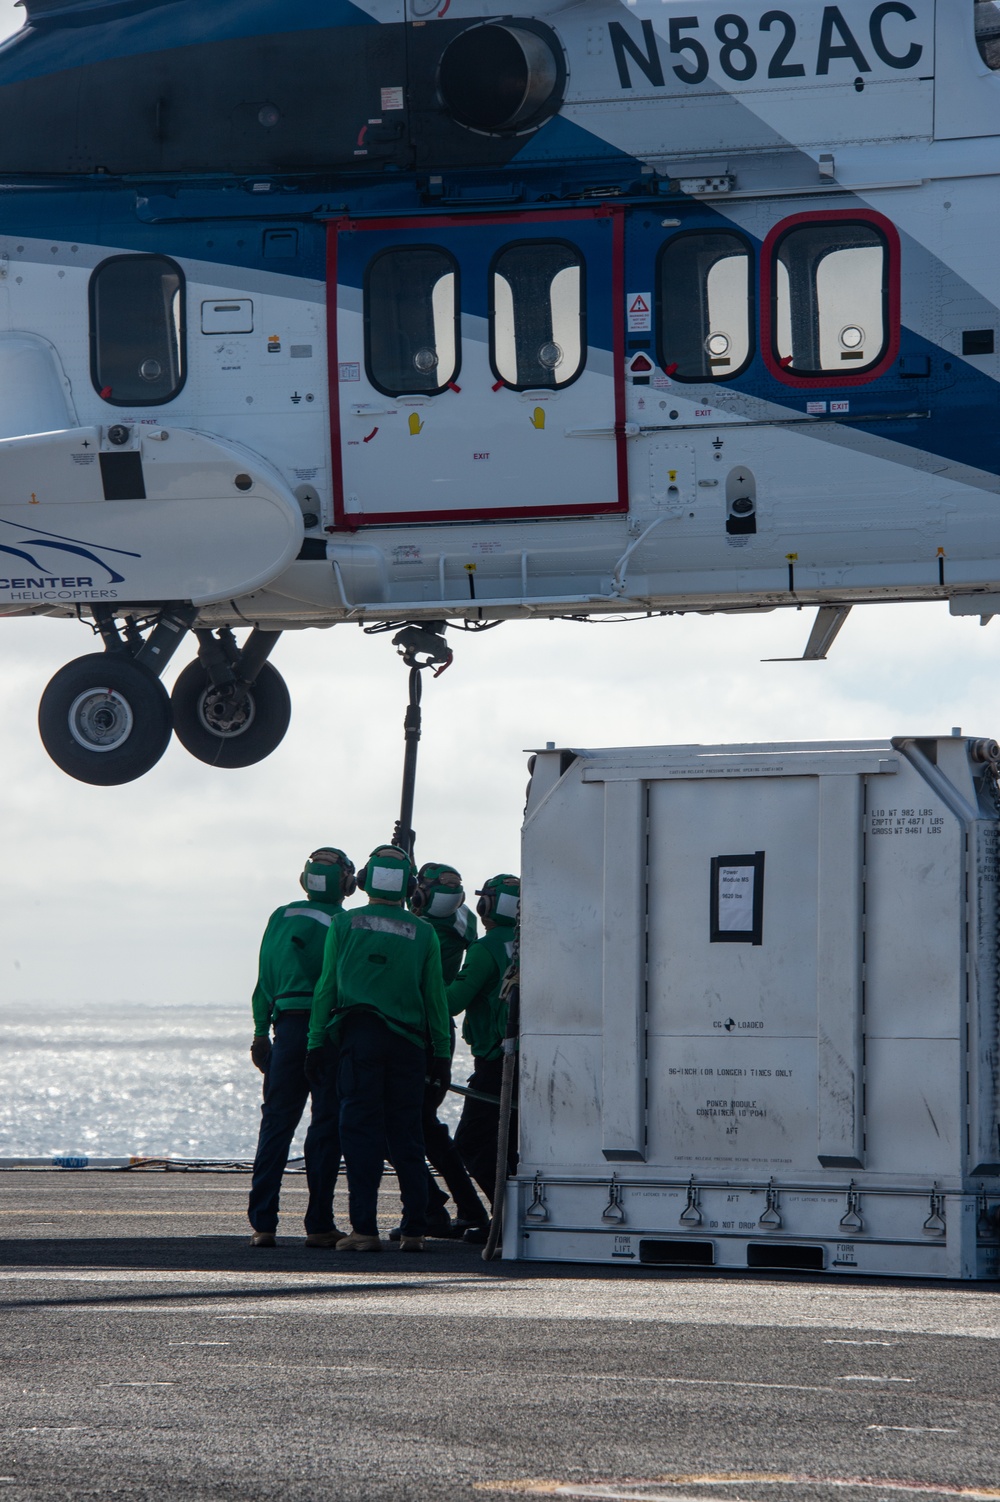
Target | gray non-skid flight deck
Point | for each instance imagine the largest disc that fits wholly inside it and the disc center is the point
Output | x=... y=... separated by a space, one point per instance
x=146 y=1351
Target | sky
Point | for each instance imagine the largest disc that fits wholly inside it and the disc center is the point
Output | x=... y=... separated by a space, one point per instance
x=159 y=890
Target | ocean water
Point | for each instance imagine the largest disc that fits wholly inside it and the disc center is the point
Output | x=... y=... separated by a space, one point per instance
x=120 y=1079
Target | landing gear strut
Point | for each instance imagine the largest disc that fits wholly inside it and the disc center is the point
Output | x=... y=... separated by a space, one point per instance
x=105 y=718
x=231 y=707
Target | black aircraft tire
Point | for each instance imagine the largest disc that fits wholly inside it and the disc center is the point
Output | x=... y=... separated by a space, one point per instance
x=104 y=720
x=266 y=707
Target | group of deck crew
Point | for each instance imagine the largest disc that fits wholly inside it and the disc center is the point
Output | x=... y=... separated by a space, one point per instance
x=354 y=1009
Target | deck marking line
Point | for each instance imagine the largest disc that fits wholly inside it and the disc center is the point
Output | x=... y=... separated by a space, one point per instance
x=137 y=1384
x=575 y=1377
x=863 y=1378
x=834 y=1342
x=909 y=1429
x=639 y=1489
x=726 y=1382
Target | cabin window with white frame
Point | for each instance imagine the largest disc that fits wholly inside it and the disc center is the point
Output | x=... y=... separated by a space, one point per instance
x=705 y=305
x=537 y=331
x=987 y=22
x=411 y=320
x=137 y=330
x=830 y=298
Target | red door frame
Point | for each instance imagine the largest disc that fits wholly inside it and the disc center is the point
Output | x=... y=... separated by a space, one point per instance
x=344 y=521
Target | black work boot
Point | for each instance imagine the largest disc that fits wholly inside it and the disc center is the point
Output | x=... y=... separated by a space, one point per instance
x=439 y=1223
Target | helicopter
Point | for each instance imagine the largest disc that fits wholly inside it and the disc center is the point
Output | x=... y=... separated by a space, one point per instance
x=415 y=313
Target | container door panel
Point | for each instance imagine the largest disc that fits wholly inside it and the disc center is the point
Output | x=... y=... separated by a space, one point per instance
x=732 y=1025
x=474 y=367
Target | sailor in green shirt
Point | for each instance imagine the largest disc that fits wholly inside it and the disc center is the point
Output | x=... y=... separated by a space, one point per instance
x=291 y=956
x=439 y=898
x=476 y=992
x=380 y=998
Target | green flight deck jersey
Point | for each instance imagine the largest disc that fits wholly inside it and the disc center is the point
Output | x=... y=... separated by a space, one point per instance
x=291 y=957
x=476 y=992
x=455 y=934
x=387 y=961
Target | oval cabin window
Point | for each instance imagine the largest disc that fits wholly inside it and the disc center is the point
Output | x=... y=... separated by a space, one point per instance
x=411 y=321
x=137 y=330
x=537 y=334
x=705 y=306
x=830 y=295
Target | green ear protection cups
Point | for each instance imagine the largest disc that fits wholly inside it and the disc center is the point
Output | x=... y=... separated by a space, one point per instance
x=388 y=873
x=499 y=899
x=438 y=892
x=328 y=875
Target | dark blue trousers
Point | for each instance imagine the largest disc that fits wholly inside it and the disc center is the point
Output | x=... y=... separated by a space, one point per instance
x=285 y=1095
x=477 y=1136
x=381 y=1085
x=443 y=1155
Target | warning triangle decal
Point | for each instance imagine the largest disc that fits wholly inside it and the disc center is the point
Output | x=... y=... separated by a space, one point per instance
x=639 y=305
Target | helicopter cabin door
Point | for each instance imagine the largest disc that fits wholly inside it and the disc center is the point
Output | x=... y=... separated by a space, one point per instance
x=475 y=366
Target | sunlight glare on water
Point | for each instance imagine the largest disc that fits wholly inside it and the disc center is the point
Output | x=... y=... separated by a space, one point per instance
x=119 y=1078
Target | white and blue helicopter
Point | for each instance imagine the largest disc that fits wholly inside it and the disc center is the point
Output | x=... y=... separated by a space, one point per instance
x=407 y=311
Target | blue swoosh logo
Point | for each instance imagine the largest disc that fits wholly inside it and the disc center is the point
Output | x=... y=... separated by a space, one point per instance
x=59 y=543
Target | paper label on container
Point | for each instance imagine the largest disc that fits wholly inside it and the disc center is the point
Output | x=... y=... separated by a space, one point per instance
x=736 y=885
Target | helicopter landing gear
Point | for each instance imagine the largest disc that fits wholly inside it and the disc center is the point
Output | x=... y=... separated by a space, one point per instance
x=105 y=718
x=231 y=708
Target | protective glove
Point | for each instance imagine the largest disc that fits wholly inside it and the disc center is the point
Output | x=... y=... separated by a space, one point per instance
x=438 y=1076
x=315 y=1066
x=260 y=1052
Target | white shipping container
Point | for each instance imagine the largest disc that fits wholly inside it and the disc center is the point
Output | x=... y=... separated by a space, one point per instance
x=760 y=1015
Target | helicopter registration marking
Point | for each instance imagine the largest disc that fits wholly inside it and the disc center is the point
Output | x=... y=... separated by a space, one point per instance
x=886 y=39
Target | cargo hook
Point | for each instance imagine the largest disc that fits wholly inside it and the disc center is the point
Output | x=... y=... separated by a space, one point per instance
x=420 y=646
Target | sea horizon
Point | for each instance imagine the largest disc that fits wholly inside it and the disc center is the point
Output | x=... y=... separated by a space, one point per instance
x=127 y=1079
